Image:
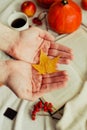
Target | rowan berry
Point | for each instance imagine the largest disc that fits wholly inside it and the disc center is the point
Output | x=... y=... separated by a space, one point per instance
x=33 y=112
x=46 y=103
x=33 y=117
x=50 y=110
x=45 y=108
x=40 y=105
x=50 y=105
x=37 y=109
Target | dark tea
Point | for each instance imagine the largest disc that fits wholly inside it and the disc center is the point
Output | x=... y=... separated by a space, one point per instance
x=17 y=23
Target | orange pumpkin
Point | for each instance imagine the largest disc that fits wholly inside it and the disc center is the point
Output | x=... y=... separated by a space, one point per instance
x=64 y=16
x=45 y=3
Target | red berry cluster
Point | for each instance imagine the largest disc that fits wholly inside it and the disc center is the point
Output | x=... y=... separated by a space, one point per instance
x=47 y=107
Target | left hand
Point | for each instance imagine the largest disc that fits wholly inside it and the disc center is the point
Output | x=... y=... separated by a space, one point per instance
x=32 y=40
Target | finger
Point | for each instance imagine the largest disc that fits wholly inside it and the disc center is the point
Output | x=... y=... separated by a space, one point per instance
x=47 y=36
x=60 y=47
x=54 y=79
x=36 y=84
x=64 y=61
x=59 y=73
x=45 y=89
x=52 y=86
x=36 y=80
x=54 y=52
x=45 y=46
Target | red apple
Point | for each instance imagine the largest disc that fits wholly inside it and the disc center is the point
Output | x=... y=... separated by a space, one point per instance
x=84 y=4
x=29 y=8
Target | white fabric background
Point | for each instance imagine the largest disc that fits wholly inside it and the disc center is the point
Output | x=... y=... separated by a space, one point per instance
x=8 y=99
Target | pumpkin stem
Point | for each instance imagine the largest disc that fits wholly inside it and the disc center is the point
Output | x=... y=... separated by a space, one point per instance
x=64 y=2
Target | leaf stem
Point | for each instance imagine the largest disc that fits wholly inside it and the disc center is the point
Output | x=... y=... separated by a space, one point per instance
x=64 y=2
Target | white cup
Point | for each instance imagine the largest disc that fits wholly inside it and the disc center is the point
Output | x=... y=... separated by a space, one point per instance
x=18 y=21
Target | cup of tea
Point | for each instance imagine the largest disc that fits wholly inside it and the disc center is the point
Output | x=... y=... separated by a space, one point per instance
x=18 y=21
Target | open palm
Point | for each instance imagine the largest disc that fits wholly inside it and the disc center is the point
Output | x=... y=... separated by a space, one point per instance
x=26 y=83
x=32 y=40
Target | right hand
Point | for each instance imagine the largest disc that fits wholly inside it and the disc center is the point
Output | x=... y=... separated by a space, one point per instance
x=28 y=84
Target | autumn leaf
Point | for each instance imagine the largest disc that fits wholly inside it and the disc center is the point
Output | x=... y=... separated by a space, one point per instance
x=46 y=64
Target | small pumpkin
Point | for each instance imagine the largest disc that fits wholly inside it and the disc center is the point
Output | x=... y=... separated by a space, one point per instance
x=45 y=3
x=64 y=16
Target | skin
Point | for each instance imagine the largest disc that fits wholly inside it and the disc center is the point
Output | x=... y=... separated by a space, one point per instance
x=30 y=43
x=28 y=84
x=25 y=47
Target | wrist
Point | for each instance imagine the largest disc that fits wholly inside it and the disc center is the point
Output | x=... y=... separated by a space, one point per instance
x=3 y=72
x=8 y=37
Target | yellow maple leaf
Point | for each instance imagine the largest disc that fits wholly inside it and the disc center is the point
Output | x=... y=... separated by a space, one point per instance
x=46 y=64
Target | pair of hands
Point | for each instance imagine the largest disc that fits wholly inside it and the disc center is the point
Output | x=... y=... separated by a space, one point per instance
x=24 y=80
